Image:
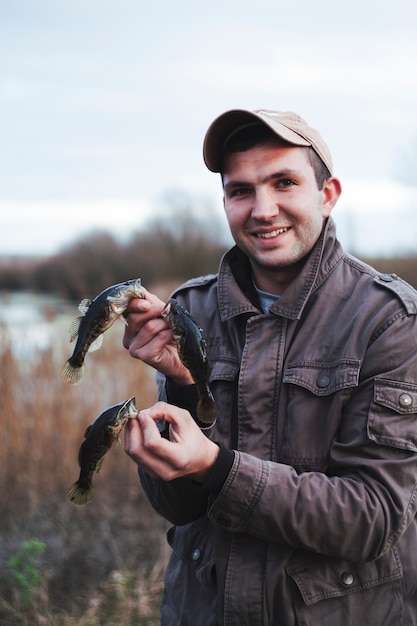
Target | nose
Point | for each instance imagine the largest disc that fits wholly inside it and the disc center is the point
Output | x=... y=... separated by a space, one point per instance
x=265 y=205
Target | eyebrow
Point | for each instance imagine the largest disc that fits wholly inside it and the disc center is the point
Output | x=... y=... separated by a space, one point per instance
x=285 y=173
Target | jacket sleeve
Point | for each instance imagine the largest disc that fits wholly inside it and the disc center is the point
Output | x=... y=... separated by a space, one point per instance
x=181 y=500
x=367 y=497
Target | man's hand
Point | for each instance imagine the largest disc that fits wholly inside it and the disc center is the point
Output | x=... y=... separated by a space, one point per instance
x=148 y=337
x=187 y=453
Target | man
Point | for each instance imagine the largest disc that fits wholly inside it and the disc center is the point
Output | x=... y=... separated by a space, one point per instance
x=299 y=506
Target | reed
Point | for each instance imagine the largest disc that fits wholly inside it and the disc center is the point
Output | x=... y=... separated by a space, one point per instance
x=103 y=563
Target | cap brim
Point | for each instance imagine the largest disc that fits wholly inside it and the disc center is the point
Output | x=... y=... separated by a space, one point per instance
x=223 y=126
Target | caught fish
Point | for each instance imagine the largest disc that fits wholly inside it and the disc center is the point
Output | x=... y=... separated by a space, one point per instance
x=192 y=351
x=97 y=317
x=98 y=439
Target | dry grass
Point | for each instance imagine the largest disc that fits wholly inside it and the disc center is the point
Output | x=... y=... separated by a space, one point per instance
x=103 y=563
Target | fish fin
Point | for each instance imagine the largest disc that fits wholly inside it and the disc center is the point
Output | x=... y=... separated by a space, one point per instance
x=206 y=412
x=79 y=494
x=96 y=344
x=74 y=328
x=71 y=374
x=99 y=464
x=84 y=306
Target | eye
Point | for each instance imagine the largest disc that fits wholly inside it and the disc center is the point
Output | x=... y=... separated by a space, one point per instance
x=284 y=182
x=237 y=192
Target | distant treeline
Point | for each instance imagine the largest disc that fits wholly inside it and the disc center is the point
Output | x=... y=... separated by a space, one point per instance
x=164 y=252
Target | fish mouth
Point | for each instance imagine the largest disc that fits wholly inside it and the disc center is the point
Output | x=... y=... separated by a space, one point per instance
x=128 y=409
x=166 y=310
x=272 y=233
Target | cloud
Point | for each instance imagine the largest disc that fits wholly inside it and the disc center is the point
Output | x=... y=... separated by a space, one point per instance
x=110 y=99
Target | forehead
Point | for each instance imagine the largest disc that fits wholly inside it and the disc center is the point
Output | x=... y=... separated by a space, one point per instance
x=271 y=154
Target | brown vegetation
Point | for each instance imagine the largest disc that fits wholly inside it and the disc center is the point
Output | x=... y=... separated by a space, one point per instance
x=103 y=563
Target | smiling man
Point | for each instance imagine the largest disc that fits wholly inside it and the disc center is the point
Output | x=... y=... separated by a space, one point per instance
x=298 y=506
x=273 y=204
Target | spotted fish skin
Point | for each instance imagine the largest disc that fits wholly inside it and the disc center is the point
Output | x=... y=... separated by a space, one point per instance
x=99 y=437
x=98 y=316
x=192 y=351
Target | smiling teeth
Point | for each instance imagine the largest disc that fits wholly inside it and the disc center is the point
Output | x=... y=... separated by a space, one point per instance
x=273 y=233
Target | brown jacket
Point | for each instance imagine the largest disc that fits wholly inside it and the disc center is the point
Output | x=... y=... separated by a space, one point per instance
x=315 y=523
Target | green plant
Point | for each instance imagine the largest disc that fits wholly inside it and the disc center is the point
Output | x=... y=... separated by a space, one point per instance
x=25 y=569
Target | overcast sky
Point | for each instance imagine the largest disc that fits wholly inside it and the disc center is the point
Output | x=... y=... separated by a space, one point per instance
x=105 y=103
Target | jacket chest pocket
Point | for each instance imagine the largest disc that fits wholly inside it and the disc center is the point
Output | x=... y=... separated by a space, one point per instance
x=333 y=591
x=313 y=397
x=392 y=414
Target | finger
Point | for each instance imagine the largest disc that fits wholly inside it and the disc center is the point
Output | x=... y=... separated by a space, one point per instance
x=144 y=327
x=133 y=438
x=152 y=439
x=168 y=412
x=150 y=302
x=149 y=344
x=137 y=305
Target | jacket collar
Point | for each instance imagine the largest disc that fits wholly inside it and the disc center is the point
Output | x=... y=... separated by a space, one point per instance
x=237 y=295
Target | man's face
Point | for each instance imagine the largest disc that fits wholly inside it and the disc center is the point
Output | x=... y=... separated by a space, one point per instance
x=275 y=209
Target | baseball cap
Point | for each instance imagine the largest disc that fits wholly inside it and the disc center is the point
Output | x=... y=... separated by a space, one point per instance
x=287 y=125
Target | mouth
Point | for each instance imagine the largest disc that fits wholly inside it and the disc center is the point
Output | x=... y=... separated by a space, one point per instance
x=166 y=311
x=272 y=233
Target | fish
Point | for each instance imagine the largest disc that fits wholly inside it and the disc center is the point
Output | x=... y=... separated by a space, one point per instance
x=97 y=316
x=192 y=350
x=99 y=437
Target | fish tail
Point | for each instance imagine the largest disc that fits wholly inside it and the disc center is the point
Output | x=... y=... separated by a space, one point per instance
x=206 y=411
x=80 y=493
x=72 y=374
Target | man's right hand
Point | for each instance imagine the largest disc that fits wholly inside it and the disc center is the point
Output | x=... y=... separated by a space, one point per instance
x=148 y=337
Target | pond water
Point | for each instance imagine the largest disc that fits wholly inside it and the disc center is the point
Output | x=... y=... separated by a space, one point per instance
x=31 y=322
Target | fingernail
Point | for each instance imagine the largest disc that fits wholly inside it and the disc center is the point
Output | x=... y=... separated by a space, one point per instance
x=143 y=415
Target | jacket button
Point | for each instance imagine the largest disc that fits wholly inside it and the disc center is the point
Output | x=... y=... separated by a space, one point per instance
x=323 y=381
x=347 y=578
x=196 y=555
x=405 y=400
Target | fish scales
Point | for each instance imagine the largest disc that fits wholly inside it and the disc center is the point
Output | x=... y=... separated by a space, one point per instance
x=192 y=351
x=99 y=438
x=98 y=316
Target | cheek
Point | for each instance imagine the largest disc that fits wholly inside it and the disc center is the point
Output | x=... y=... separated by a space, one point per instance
x=236 y=218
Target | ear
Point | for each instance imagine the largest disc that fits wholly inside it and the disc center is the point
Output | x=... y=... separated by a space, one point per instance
x=332 y=189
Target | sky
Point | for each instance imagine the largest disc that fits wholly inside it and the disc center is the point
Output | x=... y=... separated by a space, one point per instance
x=105 y=103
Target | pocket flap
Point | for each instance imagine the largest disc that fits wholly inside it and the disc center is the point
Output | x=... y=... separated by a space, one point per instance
x=399 y=396
x=223 y=370
x=392 y=414
x=321 y=577
x=323 y=379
